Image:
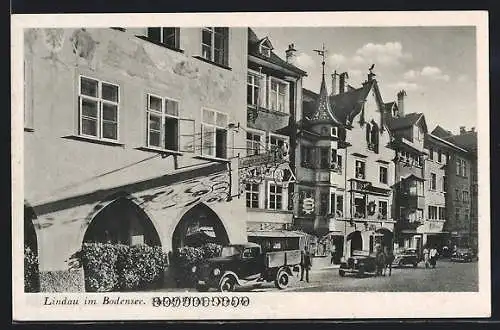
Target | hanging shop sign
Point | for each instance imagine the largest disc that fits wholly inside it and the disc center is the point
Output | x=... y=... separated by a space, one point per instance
x=308 y=205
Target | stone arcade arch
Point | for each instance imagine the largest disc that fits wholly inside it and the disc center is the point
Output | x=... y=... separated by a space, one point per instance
x=355 y=241
x=386 y=241
x=122 y=221
x=197 y=226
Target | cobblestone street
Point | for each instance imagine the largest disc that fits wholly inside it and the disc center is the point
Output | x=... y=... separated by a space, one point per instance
x=447 y=276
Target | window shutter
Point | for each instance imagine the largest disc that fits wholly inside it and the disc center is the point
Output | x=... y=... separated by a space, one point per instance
x=186 y=135
x=287 y=98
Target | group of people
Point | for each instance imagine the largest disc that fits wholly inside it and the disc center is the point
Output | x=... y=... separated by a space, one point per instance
x=430 y=257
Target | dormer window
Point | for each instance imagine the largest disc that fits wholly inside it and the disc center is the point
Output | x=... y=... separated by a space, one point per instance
x=265 y=47
x=266 y=51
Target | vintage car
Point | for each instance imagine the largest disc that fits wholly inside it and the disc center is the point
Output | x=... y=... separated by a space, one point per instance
x=245 y=265
x=360 y=263
x=405 y=257
x=462 y=255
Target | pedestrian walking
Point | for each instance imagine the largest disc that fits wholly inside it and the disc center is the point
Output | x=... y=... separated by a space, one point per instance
x=305 y=264
x=433 y=254
x=426 y=257
x=333 y=254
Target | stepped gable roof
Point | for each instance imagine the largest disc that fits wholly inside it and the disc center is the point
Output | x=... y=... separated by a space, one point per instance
x=404 y=122
x=253 y=49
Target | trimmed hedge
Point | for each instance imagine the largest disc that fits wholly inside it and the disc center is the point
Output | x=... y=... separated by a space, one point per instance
x=31 y=275
x=117 y=267
x=187 y=257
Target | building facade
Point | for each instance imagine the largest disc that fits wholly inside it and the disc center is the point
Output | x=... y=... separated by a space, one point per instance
x=462 y=195
x=350 y=183
x=267 y=174
x=130 y=137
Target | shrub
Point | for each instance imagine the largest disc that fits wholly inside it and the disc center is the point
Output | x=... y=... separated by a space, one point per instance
x=99 y=266
x=140 y=266
x=110 y=267
x=188 y=256
x=31 y=275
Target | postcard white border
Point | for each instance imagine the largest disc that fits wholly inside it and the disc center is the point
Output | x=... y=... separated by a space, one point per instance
x=329 y=305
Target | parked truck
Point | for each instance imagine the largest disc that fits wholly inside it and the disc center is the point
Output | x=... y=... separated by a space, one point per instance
x=275 y=258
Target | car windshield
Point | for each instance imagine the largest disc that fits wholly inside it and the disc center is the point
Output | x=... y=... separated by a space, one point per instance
x=229 y=251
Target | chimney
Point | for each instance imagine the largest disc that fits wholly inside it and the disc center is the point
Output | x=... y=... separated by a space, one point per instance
x=401 y=102
x=334 y=83
x=462 y=130
x=343 y=82
x=290 y=53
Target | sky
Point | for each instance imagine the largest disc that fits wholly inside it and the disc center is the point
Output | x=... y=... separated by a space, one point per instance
x=436 y=66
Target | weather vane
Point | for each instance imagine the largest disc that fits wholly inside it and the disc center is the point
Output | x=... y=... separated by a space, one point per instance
x=322 y=52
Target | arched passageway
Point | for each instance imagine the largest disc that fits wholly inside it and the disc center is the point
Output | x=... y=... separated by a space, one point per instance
x=385 y=239
x=198 y=226
x=122 y=222
x=355 y=240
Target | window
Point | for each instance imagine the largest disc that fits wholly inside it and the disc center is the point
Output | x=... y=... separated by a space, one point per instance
x=382 y=209
x=324 y=158
x=457 y=214
x=372 y=137
x=324 y=203
x=214 y=44
x=431 y=154
x=28 y=96
x=440 y=156
x=278 y=145
x=339 y=163
x=306 y=154
x=360 y=169
x=334 y=131
x=169 y=36
x=442 y=213
x=458 y=167
x=466 y=217
x=359 y=207
x=253 y=143
x=432 y=212
x=420 y=215
x=433 y=181
x=214 y=134
x=464 y=168
x=339 y=209
x=98 y=113
x=163 y=123
x=416 y=188
x=418 y=133
x=253 y=89
x=332 y=203
x=443 y=188
x=457 y=195
x=252 y=195
x=277 y=96
x=465 y=196
x=383 y=175
x=275 y=201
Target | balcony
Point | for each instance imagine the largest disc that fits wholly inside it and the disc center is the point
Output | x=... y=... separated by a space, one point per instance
x=266 y=120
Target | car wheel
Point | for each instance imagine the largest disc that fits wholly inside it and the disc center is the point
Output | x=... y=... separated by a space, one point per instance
x=282 y=280
x=341 y=273
x=227 y=285
x=201 y=288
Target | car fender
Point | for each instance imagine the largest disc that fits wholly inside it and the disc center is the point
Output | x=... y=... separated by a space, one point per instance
x=231 y=274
